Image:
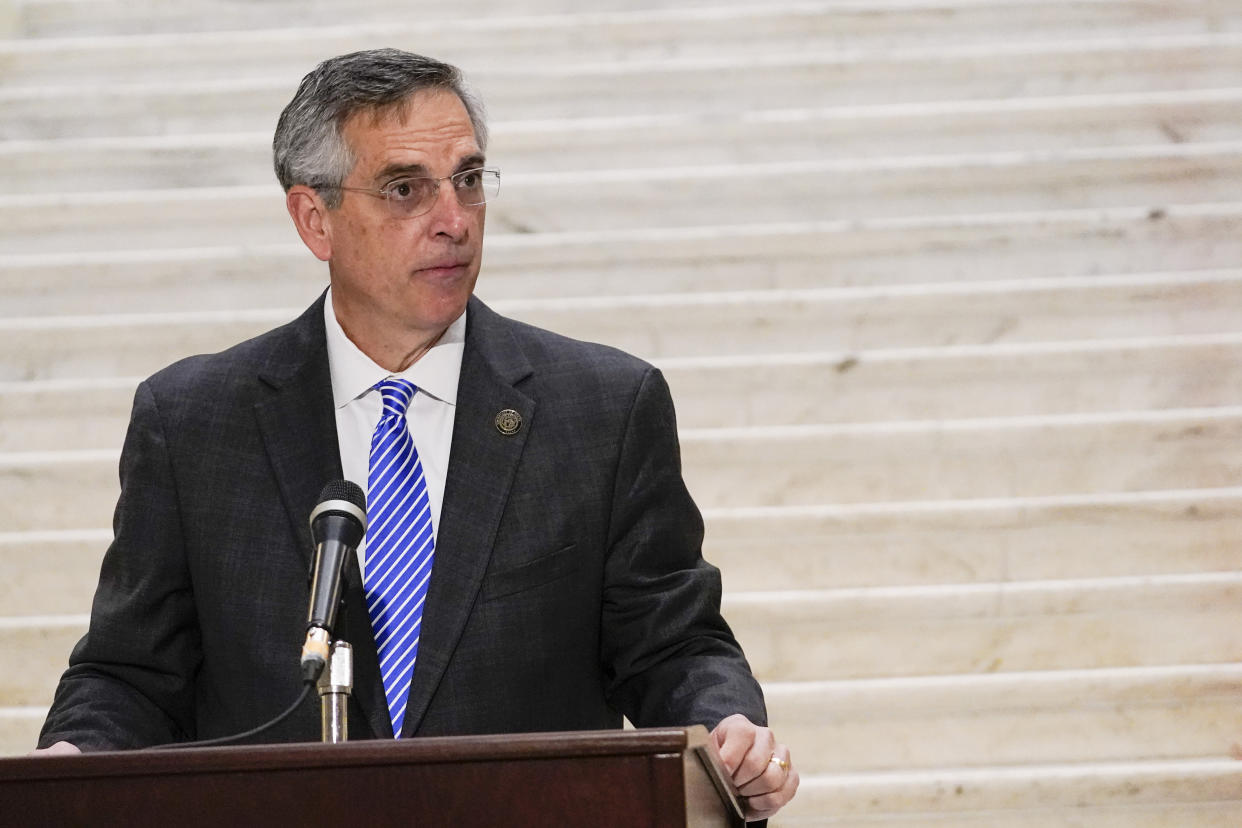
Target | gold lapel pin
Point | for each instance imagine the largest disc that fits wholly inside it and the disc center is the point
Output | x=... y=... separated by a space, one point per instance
x=508 y=422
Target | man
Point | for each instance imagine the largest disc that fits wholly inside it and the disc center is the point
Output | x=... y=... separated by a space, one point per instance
x=554 y=581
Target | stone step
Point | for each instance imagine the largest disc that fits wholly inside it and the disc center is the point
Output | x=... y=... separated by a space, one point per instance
x=812 y=465
x=829 y=547
x=983 y=458
x=50 y=572
x=811 y=77
x=1144 y=713
x=1204 y=793
x=496 y=41
x=683 y=139
x=81 y=18
x=810 y=254
x=990 y=380
x=19 y=728
x=704 y=324
x=1050 y=537
x=822 y=636
x=86 y=414
x=41 y=644
x=656 y=197
x=50 y=18
x=946 y=382
x=1199 y=810
x=990 y=627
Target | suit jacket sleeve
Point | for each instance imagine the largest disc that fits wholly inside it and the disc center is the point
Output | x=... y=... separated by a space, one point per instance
x=671 y=658
x=130 y=679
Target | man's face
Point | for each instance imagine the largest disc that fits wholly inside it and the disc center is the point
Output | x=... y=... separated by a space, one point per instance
x=411 y=275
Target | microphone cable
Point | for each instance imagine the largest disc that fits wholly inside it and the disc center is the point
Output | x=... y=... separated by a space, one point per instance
x=338 y=523
x=228 y=740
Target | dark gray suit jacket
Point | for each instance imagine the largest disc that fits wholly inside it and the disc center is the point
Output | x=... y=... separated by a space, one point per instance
x=567 y=588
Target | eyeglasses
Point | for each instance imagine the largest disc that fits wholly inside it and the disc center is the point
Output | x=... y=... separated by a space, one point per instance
x=414 y=196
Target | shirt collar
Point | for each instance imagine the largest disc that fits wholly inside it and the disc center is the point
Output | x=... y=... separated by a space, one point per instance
x=354 y=373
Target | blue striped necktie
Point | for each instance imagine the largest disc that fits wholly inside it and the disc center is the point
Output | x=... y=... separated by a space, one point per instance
x=400 y=545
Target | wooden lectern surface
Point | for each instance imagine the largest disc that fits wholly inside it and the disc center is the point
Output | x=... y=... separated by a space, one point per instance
x=658 y=778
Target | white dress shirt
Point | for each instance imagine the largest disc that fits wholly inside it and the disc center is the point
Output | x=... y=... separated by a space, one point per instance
x=429 y=417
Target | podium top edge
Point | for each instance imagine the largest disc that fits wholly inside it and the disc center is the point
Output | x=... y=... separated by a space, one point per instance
x=378 y=752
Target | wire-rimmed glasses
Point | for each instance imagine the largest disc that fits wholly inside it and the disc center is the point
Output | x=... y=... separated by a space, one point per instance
x=413 y=196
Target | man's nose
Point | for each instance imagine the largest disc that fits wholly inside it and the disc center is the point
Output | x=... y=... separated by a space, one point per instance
x=448 y=216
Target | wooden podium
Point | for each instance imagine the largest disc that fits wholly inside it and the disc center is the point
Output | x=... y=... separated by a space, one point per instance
x=658 y=778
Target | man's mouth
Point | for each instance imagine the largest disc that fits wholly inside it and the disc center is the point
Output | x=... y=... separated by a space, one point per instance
x=445 y=268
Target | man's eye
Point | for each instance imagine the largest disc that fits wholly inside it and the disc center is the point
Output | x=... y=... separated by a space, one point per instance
x=469 y=180
x=400 y=190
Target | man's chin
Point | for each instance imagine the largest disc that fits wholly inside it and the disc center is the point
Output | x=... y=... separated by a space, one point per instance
x=443 y=313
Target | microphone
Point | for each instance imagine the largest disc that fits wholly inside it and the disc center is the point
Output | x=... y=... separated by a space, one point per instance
x=338 y=524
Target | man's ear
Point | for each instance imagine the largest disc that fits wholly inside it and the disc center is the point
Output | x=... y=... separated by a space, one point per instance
x=310 y=217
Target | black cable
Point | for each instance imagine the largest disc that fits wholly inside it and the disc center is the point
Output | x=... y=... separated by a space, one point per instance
x=263 y=728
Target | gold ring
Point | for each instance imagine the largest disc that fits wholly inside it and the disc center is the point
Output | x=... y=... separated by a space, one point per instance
x=780 y=763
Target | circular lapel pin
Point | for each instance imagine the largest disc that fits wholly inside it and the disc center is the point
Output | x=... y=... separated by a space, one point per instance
x=508 y=422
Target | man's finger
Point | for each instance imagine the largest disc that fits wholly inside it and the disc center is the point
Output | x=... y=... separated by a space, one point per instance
x=58 y=749
x=734 y=737
x=774 y=776
x=765 y=805
x=755 y=763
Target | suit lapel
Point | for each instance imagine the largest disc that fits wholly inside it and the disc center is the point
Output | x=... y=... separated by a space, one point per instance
x=482 y=464
x=298 y=424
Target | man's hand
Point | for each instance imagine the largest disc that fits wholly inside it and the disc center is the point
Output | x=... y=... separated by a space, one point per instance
x=762 y=771
x=58 y=749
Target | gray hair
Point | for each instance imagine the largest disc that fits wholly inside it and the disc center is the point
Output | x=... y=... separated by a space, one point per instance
x=309 y=146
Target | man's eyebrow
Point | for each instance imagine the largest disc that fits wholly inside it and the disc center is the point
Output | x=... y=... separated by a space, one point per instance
x=401 y=171
x=392 y=171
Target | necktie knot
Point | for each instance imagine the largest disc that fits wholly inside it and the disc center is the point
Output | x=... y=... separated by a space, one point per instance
x=397 y=395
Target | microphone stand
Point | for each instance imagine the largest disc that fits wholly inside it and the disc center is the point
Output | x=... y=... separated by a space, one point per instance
x=336 y=683
x=338 y=524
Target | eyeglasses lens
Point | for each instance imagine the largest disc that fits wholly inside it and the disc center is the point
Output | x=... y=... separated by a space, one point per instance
x=415 y=196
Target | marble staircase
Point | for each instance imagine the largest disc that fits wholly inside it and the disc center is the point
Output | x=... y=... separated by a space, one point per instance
x=947 y=292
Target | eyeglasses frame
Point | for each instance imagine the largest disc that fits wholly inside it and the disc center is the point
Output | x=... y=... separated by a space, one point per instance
x=383 y=192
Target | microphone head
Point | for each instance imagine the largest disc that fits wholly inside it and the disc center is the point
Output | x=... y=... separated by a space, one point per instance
x=340 y=499
x=344 y=490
